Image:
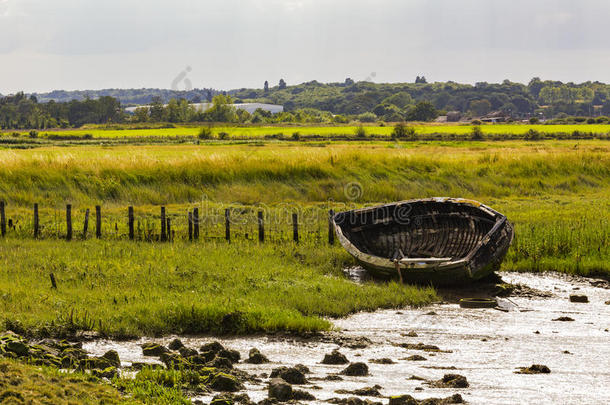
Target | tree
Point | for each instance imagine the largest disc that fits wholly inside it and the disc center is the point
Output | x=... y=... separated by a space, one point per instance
x=282 y=84
x=222 y=110
x=156 y=109
x=349 y=82
x=423 y=111
x=421 y=80
x=480 y=107
x=266 y=87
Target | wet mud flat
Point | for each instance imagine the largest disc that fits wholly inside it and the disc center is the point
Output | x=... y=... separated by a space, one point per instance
x=409 y=351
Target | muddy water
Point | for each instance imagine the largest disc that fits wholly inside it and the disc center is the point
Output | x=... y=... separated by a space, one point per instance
x=485 y=345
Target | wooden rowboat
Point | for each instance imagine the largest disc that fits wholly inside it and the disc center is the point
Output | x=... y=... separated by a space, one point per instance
x=442 y=241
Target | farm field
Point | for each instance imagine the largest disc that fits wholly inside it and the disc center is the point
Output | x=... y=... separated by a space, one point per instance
x=555 y=192
x=251 y=131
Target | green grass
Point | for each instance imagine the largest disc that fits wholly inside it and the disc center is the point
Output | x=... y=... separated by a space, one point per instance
x=253 y=131
x=557 y=193
x=25 y=384
x=125 y=288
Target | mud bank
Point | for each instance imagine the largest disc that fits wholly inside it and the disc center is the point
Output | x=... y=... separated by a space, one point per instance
x=487 y=346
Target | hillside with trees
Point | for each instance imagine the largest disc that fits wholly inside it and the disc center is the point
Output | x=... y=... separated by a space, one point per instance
x=314 y=102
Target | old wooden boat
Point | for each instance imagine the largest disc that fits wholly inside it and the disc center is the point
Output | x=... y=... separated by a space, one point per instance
x=442 y=241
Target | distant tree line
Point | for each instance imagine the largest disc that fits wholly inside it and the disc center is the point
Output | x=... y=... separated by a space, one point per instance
x=315 y=102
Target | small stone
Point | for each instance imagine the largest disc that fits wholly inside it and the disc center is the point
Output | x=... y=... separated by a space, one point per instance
x=416 y=357
x=113 y=357
x=409 y=334
x=534 y=369
x=303 y=368
x=579 y=298
x=356 y=370
x=225 y=382
x=256 y=357
x=607 y=302
x=153 y=349
x=563 y=319
x=299 y=395
x=175 y=344
x=212 y=347
x=19 y=348
x=232 y=355
x=384 y=360
x=403 y=400
x=289 y=374
x=335 y=357
x=451 y=381
x=280 y=390
x=187 y=352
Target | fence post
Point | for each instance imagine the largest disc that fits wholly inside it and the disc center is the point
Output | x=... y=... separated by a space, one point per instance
x=130 y=222
x=190 y=221
x=2 y=219
x=295 y=227
x=228 y=225
x=261 y=227
x=36 y=228
x=195 y=223
x=331 y=229
x=68 y=222
x=86 y=224
x=98 y=221
x=163 y=225
x=169 y=230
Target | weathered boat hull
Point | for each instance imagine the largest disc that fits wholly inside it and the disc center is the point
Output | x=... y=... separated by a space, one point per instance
x=439 y=241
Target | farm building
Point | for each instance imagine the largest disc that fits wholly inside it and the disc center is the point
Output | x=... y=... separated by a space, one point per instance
x=250 y=107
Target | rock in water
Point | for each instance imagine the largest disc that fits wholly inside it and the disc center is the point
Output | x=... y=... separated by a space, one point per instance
x=280 y=390
x=289 y=374
x=211 y=347
x=356 y=370
x=225 y=382
x=534 y=369
x=113 y=358
x=256 y=357
x=335 y=358
x=153 y=349
x=579 y=298
x=299 y=395
x=451 y=381
x=175 y=344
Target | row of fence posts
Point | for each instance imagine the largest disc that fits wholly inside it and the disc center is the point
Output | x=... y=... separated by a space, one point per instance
x=166 y=232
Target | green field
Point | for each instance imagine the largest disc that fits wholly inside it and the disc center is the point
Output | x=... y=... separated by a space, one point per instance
x=255 y=132
x=555 y=192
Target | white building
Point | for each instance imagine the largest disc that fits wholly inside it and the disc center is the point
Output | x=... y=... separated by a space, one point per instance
x=250 y=107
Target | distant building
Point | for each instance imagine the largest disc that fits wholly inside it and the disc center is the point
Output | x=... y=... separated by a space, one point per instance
x=250 y=107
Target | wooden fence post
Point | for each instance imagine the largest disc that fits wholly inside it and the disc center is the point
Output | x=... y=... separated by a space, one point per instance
x=190 y=221
x=2 y=219
x=36 y=227
x=169 y=230
x=130 y=222
x=295 y=227
x=163 y=225
x=86 y=224
x=98 y=221
x=261 y=227
x=331 y=228
x=196 y=223
x=228 y=225
x=68 y=222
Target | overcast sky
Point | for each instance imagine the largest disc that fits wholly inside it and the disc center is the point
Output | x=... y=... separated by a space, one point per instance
x=94 y=44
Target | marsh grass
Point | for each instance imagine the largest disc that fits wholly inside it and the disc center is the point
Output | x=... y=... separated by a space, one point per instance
x=133 y=289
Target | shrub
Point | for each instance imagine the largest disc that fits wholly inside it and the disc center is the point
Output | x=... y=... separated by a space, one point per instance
x=534 y=120
x=591 y=121
x=205 y=133
x=33 y=134
x=476 y=133
x=296 y=136
x=223 y=135
x=476 y=122
x=533 y=135
x=367 y=117
x=361 y=132
x=401 y=131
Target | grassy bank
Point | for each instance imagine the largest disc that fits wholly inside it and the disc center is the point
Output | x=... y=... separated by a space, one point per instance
x=275 y=173
x=261 y=131
x=25 y=384
x=124 y=288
